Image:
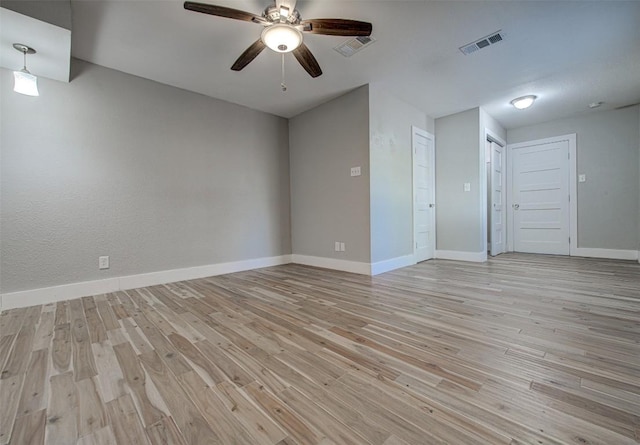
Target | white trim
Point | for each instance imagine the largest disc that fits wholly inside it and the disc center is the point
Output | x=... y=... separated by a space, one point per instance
x=392 y=264
x=615 y=254
x=332 y=263
x=416 y=130
x=457 y=255
x=75 y=290
x=492 y=137
x=573 y=193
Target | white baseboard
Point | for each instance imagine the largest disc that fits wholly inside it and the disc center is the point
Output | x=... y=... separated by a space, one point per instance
x=615 y=254
x=458 y=255
x=332 y=263
x=75 y=290
x=392 y=264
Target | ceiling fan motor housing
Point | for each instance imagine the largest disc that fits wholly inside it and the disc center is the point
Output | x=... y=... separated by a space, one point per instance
x=272 y=14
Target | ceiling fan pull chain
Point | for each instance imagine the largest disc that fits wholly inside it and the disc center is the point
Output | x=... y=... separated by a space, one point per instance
x=282 y=84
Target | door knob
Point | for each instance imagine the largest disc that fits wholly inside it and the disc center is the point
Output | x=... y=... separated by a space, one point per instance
x=432 y=206
x=516 y=206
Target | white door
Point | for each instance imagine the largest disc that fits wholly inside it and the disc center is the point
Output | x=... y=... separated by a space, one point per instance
x=423 y=195
x=541 y=198
x=498 y=199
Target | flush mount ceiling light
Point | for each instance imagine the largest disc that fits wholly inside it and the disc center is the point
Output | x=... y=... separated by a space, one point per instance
x=282 y=38
x=25 y=82
x=523 y=102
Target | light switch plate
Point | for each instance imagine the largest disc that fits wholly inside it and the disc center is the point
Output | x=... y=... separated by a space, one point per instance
x=337 y=246
x=582 y=178
x=342 y=247
x=467 y=186
x=356 y=171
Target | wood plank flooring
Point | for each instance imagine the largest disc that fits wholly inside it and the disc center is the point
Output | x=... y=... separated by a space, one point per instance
x=523 y=349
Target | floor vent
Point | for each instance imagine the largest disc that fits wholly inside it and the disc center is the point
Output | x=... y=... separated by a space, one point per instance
x=350 y=47
x=489 y=40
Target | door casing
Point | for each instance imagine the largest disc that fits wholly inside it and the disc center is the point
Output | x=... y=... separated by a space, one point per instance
x=418 y=131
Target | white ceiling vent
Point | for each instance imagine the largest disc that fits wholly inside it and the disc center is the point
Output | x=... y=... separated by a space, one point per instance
x=491 y=39
x=350 y=47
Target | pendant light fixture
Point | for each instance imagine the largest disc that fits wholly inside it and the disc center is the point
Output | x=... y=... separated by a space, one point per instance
x=25 y=82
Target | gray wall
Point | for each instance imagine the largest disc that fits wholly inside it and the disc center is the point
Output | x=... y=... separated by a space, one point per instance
x=327 y=204
x=156 y=177
x=487 y=121
x=391 y=173
x=55 y=12
x=608 y=150
x=459 y=214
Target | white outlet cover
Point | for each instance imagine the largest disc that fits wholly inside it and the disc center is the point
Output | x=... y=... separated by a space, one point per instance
x=103 y=262
x=337 y=246
x=356 y=171
x=467 y=186
x=341 y=247
x=582 y=178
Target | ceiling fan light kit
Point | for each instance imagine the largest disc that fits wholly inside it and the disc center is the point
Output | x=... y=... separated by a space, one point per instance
x=283 y=32
x=281 y=38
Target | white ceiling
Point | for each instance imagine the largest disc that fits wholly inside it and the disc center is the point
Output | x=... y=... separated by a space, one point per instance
x=568 y=53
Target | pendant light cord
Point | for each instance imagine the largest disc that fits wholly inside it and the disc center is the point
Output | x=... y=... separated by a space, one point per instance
x=282 y=84
x=24 y=54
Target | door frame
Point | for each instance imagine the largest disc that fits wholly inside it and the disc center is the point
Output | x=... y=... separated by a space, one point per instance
x=573 y=189
x=492 y=137
x=416 y=130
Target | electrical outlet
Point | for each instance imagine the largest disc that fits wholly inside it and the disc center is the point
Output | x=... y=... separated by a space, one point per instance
x=356 y=171
x=467 y=186
x=341 y=247
x=103 y=262
x=337 y=246
x=582 y=178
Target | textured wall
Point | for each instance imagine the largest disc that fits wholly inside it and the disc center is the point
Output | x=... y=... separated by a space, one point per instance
x=156 y=177
x=327 y=204
x=391 y=173
x=607 y=145
x=459 y=213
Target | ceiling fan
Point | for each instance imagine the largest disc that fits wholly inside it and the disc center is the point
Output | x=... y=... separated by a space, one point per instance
x=283 y=31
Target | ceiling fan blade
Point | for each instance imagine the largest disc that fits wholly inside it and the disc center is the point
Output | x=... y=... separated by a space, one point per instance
x=337 y=27
x=249 y=54
x=222 y=11
x=307 y=60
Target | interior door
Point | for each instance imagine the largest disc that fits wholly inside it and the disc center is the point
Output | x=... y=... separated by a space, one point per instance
x=498 y=199
x=423 y=195
x=541 y=198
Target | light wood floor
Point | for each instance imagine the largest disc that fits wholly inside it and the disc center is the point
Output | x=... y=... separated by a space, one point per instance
x=523 y=349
